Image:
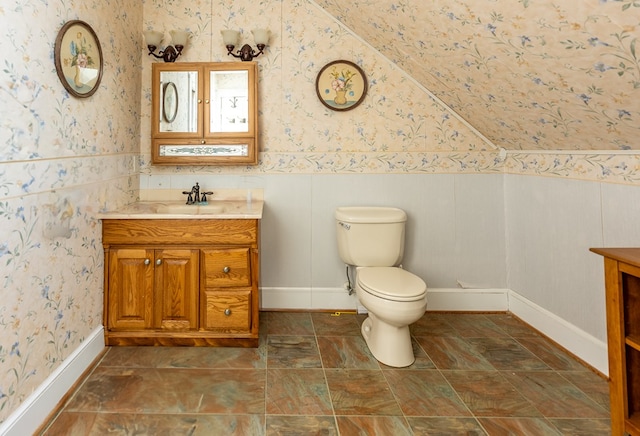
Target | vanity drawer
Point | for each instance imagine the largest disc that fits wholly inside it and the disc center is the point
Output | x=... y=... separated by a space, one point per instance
x=227 y=311
x=228 y=267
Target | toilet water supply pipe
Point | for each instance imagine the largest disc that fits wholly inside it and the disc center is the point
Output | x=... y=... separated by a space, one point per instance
x=349 y=287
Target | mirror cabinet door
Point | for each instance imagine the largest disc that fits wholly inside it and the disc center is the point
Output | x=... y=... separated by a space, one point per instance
x=229 y=101
x=178 y=103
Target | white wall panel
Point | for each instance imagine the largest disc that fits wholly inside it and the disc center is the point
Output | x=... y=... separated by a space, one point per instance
x=480 y=260
x=551 y=224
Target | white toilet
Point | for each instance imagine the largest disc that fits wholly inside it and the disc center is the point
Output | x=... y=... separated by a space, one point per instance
x=372 y=240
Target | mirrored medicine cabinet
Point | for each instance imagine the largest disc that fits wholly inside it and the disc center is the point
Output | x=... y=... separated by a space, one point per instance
x=204 y=113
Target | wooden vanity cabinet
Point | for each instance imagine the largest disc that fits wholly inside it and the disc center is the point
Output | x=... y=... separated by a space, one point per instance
x=622 y=287
x=181 y=282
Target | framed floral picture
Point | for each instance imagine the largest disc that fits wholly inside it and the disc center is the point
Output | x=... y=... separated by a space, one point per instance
x=341 y=85
x=78 y=58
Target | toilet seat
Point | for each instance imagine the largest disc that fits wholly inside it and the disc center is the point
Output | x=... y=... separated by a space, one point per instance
x=391 y=283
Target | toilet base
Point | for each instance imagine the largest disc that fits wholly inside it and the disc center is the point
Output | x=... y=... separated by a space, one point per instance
x=389 y=344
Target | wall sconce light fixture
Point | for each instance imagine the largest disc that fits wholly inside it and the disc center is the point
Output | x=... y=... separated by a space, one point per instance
x=179 y=39
x=246 y=53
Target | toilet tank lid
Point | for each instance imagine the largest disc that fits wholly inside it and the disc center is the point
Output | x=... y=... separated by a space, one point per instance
x=370 y=214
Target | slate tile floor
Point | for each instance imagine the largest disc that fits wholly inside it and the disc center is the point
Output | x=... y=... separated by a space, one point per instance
x=312 y=374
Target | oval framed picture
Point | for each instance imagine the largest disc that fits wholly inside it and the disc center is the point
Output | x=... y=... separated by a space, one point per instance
x=78 y=58
x=341 y=85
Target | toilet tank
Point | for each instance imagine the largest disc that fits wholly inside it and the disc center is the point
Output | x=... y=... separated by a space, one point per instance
x=370 y=236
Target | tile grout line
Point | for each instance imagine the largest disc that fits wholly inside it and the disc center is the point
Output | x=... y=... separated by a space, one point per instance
x=324 y=374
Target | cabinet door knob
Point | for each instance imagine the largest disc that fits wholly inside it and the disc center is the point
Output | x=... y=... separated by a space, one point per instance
x=159 y=262
x=203 y=142
x=227 y=312
x=206 y=101
x=147 y=261
x=199 y=100
x=226 y=269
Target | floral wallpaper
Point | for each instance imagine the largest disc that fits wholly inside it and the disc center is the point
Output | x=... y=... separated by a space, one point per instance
x=528 y=74
x=62 y=159
x=450 y=85
x=399 y=127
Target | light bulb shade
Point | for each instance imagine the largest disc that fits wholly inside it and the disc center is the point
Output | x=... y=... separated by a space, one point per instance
x=153 y=37
x=261 y=36
x=179 y=37
x=230 y=37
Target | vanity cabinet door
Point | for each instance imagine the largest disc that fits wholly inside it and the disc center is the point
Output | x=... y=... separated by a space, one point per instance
x=150 y=289
x=176 y=289
x=130 y=292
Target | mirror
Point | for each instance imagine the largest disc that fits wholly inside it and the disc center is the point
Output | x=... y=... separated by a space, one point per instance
x=178 y=101
x=229 y=101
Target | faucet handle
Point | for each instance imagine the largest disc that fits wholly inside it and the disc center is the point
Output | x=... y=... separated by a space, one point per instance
x=189 y=197
x=204 y=195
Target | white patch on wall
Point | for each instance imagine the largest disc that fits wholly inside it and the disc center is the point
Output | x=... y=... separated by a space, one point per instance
x=57 y=219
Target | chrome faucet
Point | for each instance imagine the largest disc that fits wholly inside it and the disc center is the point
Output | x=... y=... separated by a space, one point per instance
x=193 y=196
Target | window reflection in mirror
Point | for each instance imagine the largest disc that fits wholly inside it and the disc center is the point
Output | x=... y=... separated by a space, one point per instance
x=183 y=106
x=229 y=97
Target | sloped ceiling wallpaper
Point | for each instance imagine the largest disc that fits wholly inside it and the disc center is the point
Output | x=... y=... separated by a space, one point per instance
x=527 y=74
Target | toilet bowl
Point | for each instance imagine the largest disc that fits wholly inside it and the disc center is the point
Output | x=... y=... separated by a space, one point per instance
x=371 y=239
x=394 y=298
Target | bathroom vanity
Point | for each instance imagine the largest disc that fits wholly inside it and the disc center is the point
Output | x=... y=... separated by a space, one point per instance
x=622 y=283
x=179 y=274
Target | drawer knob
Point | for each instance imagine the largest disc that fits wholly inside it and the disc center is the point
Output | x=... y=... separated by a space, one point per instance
x=227 y=312
x=226 y=269
x=147 y=261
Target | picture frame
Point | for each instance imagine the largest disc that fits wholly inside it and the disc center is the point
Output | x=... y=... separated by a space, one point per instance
x=341 y=85
x=78 y=58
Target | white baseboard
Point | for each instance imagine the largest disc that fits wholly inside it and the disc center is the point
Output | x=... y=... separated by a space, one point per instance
x=584 y=346
x=30 y=415
x=467 y=300
x=307 y=299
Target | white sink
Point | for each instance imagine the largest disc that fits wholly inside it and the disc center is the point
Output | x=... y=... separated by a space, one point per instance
x=210 y=208
x=189 y=209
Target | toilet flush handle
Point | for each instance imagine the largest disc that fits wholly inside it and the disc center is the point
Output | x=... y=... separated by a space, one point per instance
x=345 y=225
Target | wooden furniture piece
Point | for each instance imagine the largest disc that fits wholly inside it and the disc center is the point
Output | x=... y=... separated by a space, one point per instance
x=204 y=113
x=622 y=282
x=181 y=282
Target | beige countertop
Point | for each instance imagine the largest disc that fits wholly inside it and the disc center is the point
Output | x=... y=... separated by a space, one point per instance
x=215 y=209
